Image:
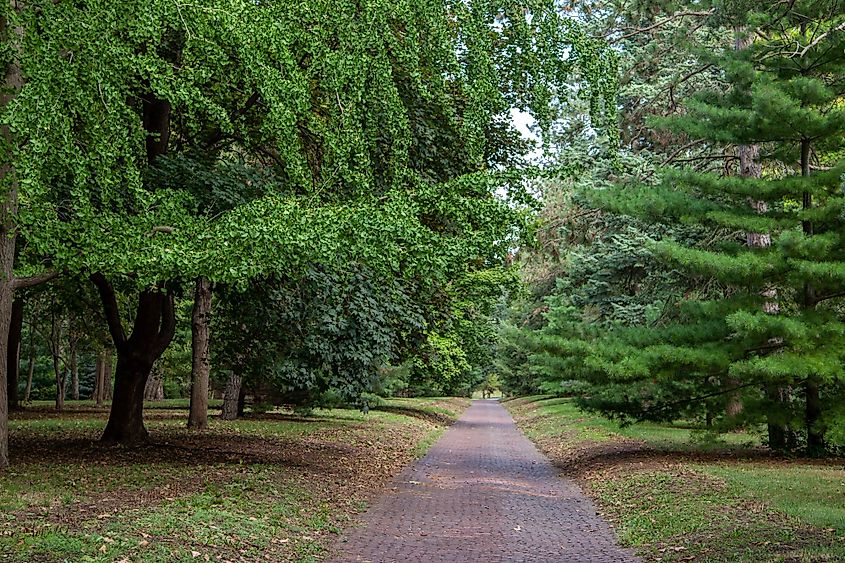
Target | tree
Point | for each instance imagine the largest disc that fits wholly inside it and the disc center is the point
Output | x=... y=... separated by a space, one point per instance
x=787 y=100
x=201 y=355
x=320 y=101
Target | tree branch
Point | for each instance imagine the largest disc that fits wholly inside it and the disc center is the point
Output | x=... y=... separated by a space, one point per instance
x=818 y=300
x=819 y=39
x=679 y=150
x=168 y=322
x=32 y=281
x=161 y=229
x=661 y=23
x=642 y=414
x=109 y=299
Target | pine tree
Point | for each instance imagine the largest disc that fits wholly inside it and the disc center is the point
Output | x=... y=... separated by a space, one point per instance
x=786 y=97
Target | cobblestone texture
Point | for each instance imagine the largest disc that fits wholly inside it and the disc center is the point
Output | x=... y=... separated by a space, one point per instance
x=483 y=493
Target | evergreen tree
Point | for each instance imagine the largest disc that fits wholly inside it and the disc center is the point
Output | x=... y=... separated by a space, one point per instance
x=785 y=98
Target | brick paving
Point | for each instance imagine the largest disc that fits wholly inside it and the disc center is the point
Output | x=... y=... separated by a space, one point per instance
x=483 y=493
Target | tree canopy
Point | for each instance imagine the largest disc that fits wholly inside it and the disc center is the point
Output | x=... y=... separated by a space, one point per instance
x=247 y=143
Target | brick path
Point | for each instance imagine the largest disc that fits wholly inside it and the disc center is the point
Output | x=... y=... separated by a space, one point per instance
x=483 y=493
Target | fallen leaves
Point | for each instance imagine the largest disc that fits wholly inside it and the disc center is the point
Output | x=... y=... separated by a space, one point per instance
x=339 y=464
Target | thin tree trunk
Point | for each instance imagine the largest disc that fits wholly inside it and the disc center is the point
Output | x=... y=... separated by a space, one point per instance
x=200 y=367
x=99 y=372
x=231 y=397
x=154 y=389
x=749 y=167
x=813 y=410
x=30 y=369
x=74 y=375
x=776 y=422
x=56 y=351
x=13 y=351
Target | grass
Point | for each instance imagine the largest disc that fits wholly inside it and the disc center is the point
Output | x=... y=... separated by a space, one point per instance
x=71 y=404
x=678 y=493
x=239 y=519
x=561 y=418
x=451 y=407
x=810 y=493
x=272 y=487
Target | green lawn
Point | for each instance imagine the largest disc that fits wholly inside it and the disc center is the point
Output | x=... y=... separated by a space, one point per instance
x=678 y=493
x=561 y=418
x=274 y=486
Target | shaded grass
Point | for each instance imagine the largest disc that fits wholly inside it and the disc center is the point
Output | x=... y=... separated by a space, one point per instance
x=274 y=486
x=237 y=520
x=561 y=418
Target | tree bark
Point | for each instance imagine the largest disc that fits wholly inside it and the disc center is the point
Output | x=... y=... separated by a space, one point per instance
x=231 y=397
x=154 y=389
x=813 y=409
x=74 y=367
x=13 y=351
x=99 y=370
x=155 y=317
x=56 y=352
x=102 y=377
x=108 y=375
x=30 y=370
x=74 y=375
x=241 y=400
x=153 y=329
x=816 y=445
x=12 y=83
x=749 y=167
x=201 y=366
x=776 y=423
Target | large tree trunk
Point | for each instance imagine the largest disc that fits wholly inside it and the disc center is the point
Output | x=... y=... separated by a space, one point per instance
x=153 y=329
x=241 y=400
x=231 y=397
x=155 y=317
x=12 y=82
x=200 y=367
x=13 y=351
x=108 y=375
x=126 y=419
